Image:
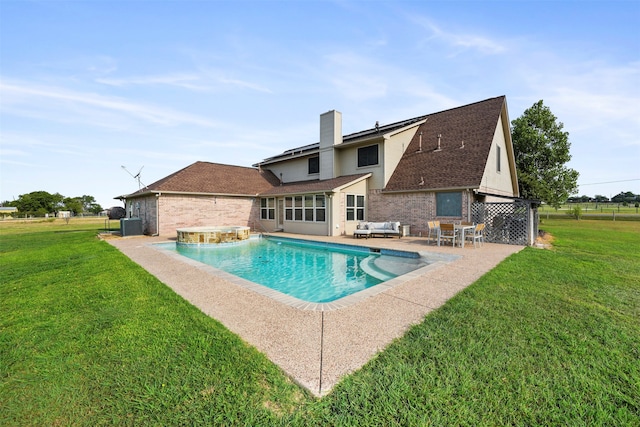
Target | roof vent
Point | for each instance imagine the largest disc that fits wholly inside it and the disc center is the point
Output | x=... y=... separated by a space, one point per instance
x=438 y=149
x=420 y=143
x=462 y=145
x=377 y=126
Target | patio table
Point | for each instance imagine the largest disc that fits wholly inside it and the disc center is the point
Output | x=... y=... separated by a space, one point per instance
x=461 y=229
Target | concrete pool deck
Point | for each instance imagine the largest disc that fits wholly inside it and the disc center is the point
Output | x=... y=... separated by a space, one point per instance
x=316 y=348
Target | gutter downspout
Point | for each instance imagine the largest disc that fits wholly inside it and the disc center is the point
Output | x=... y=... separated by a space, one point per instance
x=157 y=214
x=330 y=211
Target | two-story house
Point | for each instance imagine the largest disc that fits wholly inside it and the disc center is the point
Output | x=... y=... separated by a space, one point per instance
x=428 y=167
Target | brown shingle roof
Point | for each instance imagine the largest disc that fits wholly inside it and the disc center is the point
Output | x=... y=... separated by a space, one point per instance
x=451 y=166
x=428 y=169
x=215 y=178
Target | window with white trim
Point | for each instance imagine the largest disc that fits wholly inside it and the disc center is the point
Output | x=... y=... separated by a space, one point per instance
x=297 y=208
x=355 y=207
x=288 y=209
x=307 y=208
x=267 y=208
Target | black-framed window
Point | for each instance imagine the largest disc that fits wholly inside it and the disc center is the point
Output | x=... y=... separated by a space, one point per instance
x=498 y=158
x=449 y=204
x=268 y=208
x=368 y=156
x=355 y=207
x=308 y=208
x=314 y=165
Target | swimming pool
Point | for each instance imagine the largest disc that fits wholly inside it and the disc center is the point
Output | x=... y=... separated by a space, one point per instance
x=310 y=271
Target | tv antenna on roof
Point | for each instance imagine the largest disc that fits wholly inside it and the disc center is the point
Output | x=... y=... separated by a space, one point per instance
x=136 y=176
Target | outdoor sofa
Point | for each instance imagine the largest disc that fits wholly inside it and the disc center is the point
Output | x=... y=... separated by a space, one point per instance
x=366 y=229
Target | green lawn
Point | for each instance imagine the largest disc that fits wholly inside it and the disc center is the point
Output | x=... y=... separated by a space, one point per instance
x=603 y=211
x=549 y=337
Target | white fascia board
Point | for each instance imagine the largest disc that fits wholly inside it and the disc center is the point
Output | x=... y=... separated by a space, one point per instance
x=397 y=131
x=350 y=183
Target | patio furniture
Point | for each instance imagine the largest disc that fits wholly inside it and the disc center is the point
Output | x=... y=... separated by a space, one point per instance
x=478 y=234
x=434 y=231
x=385 y=228
x=361 y=233
x=372 y=228
x=462 y=229
x=447 y=232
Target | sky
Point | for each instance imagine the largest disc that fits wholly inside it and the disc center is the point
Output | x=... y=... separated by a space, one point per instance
x=93 y=92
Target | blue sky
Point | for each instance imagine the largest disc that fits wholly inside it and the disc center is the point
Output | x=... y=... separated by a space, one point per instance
x=87 y=87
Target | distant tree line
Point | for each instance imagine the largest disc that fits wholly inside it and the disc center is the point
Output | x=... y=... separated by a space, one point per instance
x=40 y=203
x=624 y=197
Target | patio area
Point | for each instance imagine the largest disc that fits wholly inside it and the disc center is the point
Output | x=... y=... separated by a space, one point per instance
x=316 y=348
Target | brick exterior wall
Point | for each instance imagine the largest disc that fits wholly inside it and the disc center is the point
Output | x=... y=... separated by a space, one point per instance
x=178 y=211
x=414 y=209
x=145 y=208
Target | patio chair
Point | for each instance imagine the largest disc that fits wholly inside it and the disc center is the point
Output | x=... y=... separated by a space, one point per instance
x=478 y=234
x=447 y=232
x=434 y=231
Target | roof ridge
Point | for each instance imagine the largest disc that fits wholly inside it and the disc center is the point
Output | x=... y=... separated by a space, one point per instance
x=221 y=164
x=380 y=129
x=418 y=118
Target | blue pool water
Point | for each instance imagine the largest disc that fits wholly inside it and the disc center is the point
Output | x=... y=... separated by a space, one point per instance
x=310 y=271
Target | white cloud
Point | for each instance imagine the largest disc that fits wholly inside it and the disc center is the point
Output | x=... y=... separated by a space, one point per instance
x=95 y=65
x=15 y=94
x=356 y=77
x=4 y=153
x=185 y=81
x=208 y=81
x=102 y=64
x=20 y=140
x=245 y=85
x=462 y=41
x=590 y=97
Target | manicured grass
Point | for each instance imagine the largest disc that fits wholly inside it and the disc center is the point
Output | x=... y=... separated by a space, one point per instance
x=549 y=337
x=601 y=211
x=87 y=337
x=36 y=225
x=593 y=208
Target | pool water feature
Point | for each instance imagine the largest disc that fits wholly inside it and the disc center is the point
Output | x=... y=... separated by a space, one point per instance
x=208 y=235
x=310 y=271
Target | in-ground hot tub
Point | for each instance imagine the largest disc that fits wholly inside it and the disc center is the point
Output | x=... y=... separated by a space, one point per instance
x=222 y=234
